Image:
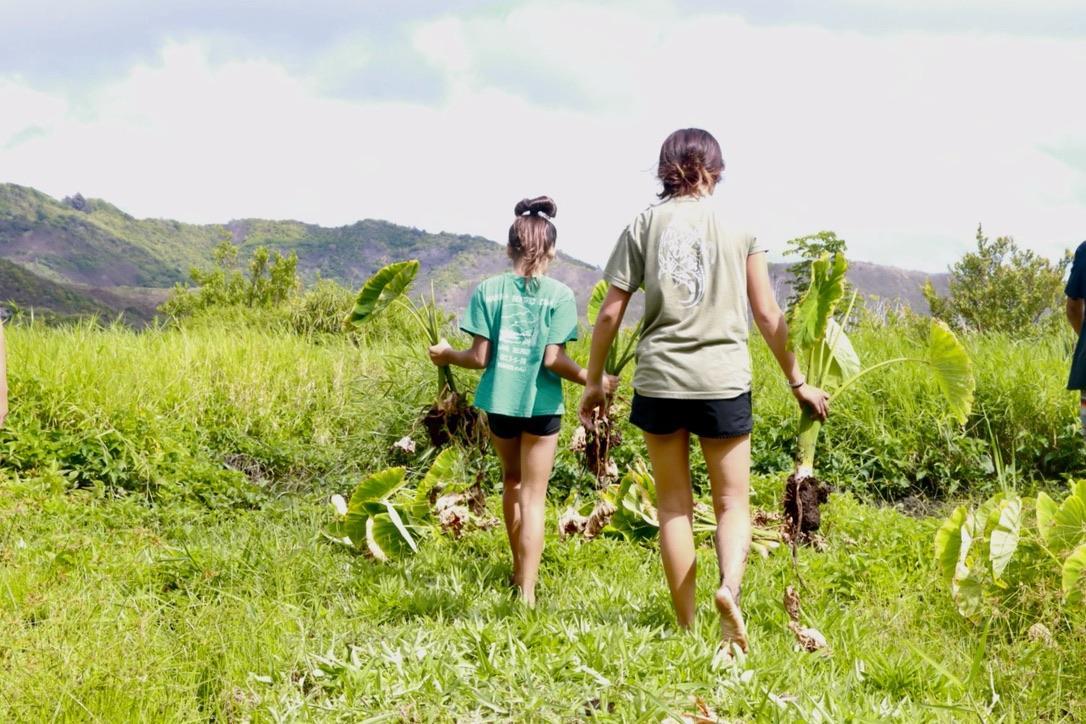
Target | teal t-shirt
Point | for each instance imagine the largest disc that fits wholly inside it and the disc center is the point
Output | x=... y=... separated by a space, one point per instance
x=520 y=317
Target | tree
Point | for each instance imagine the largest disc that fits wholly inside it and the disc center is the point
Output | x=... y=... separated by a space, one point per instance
x=1001 y=288
x=271 y=280
x=808 y=249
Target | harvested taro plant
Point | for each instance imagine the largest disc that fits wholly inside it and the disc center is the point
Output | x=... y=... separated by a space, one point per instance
x=596 y=445
x=450 y=417
x=831 y=363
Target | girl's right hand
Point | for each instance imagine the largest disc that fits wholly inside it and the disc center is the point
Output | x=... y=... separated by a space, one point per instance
x=439 y=353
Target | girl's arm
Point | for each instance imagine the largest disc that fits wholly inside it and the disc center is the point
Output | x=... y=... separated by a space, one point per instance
x=608 y=321
x=474 y=358
x=557 y=361
x=771 y=323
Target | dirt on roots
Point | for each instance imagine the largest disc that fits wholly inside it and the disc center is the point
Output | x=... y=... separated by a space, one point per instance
x=452 y=418
x=802 y=500
x=598 y=445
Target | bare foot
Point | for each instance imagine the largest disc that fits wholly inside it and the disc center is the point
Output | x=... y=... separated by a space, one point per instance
x=732 y=628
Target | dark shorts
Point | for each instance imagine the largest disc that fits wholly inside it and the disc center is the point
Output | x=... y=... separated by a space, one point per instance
x=507 y=427
x=705 y=418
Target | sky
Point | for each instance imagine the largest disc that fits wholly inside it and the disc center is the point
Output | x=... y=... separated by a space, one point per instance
x=899 y=124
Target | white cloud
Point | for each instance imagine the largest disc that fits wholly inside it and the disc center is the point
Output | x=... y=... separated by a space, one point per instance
x=901 y=142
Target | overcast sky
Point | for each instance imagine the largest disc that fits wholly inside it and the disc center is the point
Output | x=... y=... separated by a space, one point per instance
x=900 y=124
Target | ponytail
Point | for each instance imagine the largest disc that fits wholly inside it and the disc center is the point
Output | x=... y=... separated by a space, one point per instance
x=532 y=236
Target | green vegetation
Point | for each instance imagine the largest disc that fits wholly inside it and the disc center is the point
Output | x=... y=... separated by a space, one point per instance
x=1002 y=288
x=991 y=556
x=161 y=495
x=22 y=289
x=271 y=280
x=830 y=362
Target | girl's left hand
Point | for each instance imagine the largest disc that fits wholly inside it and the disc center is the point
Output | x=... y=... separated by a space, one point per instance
x=439 y=353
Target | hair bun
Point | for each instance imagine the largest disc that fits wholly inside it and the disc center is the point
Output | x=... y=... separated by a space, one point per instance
x=539 y=205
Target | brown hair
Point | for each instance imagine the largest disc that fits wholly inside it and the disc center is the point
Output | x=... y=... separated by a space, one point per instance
x=690 y=163
x=532 y=236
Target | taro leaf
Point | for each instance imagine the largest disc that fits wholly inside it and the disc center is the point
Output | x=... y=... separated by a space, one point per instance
x=337 y=533
x=376 y=487
x=383 y=538
x=635 y=516
x=1003 y=540
x=397 y=521
x=1046 y=513
x=807 y=320
x=836 y=356
x=966 y=586
x=1074 y=576
x=599 y=293
x=354 y=527
x=948 y=542
x=969 y=594
x=1068 y=525
x=381 y=289
x=953 y=370
x=441 y=472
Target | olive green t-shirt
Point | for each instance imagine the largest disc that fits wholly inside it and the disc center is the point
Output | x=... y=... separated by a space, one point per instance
x=520 y=317
x=693 y=267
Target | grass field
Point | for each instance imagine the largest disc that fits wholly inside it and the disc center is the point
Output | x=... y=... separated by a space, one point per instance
x=161 y=498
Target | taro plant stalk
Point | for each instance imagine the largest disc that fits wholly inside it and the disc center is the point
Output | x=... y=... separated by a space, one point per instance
x=597 y=444
x=832 y=364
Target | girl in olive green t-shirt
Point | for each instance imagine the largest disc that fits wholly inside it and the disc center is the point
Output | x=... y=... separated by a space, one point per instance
x=693 y=366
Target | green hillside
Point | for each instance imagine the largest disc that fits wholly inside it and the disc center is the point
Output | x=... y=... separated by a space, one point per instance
x=92 y=243
x=27 y=291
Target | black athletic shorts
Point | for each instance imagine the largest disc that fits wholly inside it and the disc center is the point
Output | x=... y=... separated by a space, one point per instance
x=705 y=418
x=508 y=427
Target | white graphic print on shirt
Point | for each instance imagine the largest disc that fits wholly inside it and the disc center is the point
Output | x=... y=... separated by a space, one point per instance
x=682 y=259
x=519 y=332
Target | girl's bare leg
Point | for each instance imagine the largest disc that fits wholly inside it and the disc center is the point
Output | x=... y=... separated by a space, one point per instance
x=509 y=453
x=536 y=462
x=670 y=456
x=728 y=461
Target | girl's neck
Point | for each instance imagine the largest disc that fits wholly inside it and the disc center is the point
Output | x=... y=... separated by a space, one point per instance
x=520 y=271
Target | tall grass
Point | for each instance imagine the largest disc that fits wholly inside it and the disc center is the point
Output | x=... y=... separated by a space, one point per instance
x=219 y=407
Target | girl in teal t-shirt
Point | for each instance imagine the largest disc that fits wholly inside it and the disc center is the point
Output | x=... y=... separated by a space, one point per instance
x=520 y=322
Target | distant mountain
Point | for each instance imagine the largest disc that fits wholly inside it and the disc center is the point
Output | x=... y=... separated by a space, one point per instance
x=19 y=287
x=92 y=250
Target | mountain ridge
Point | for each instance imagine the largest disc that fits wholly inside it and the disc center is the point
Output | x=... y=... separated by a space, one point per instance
x=91 y=248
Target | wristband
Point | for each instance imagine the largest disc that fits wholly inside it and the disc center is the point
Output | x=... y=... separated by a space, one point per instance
x=797 y=385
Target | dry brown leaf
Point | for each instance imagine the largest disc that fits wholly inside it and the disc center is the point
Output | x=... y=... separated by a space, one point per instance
x=571 y=523
x=702 y=714
x=791 y=603
x=599 y=519
x=452 y=518
x=809 y=639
